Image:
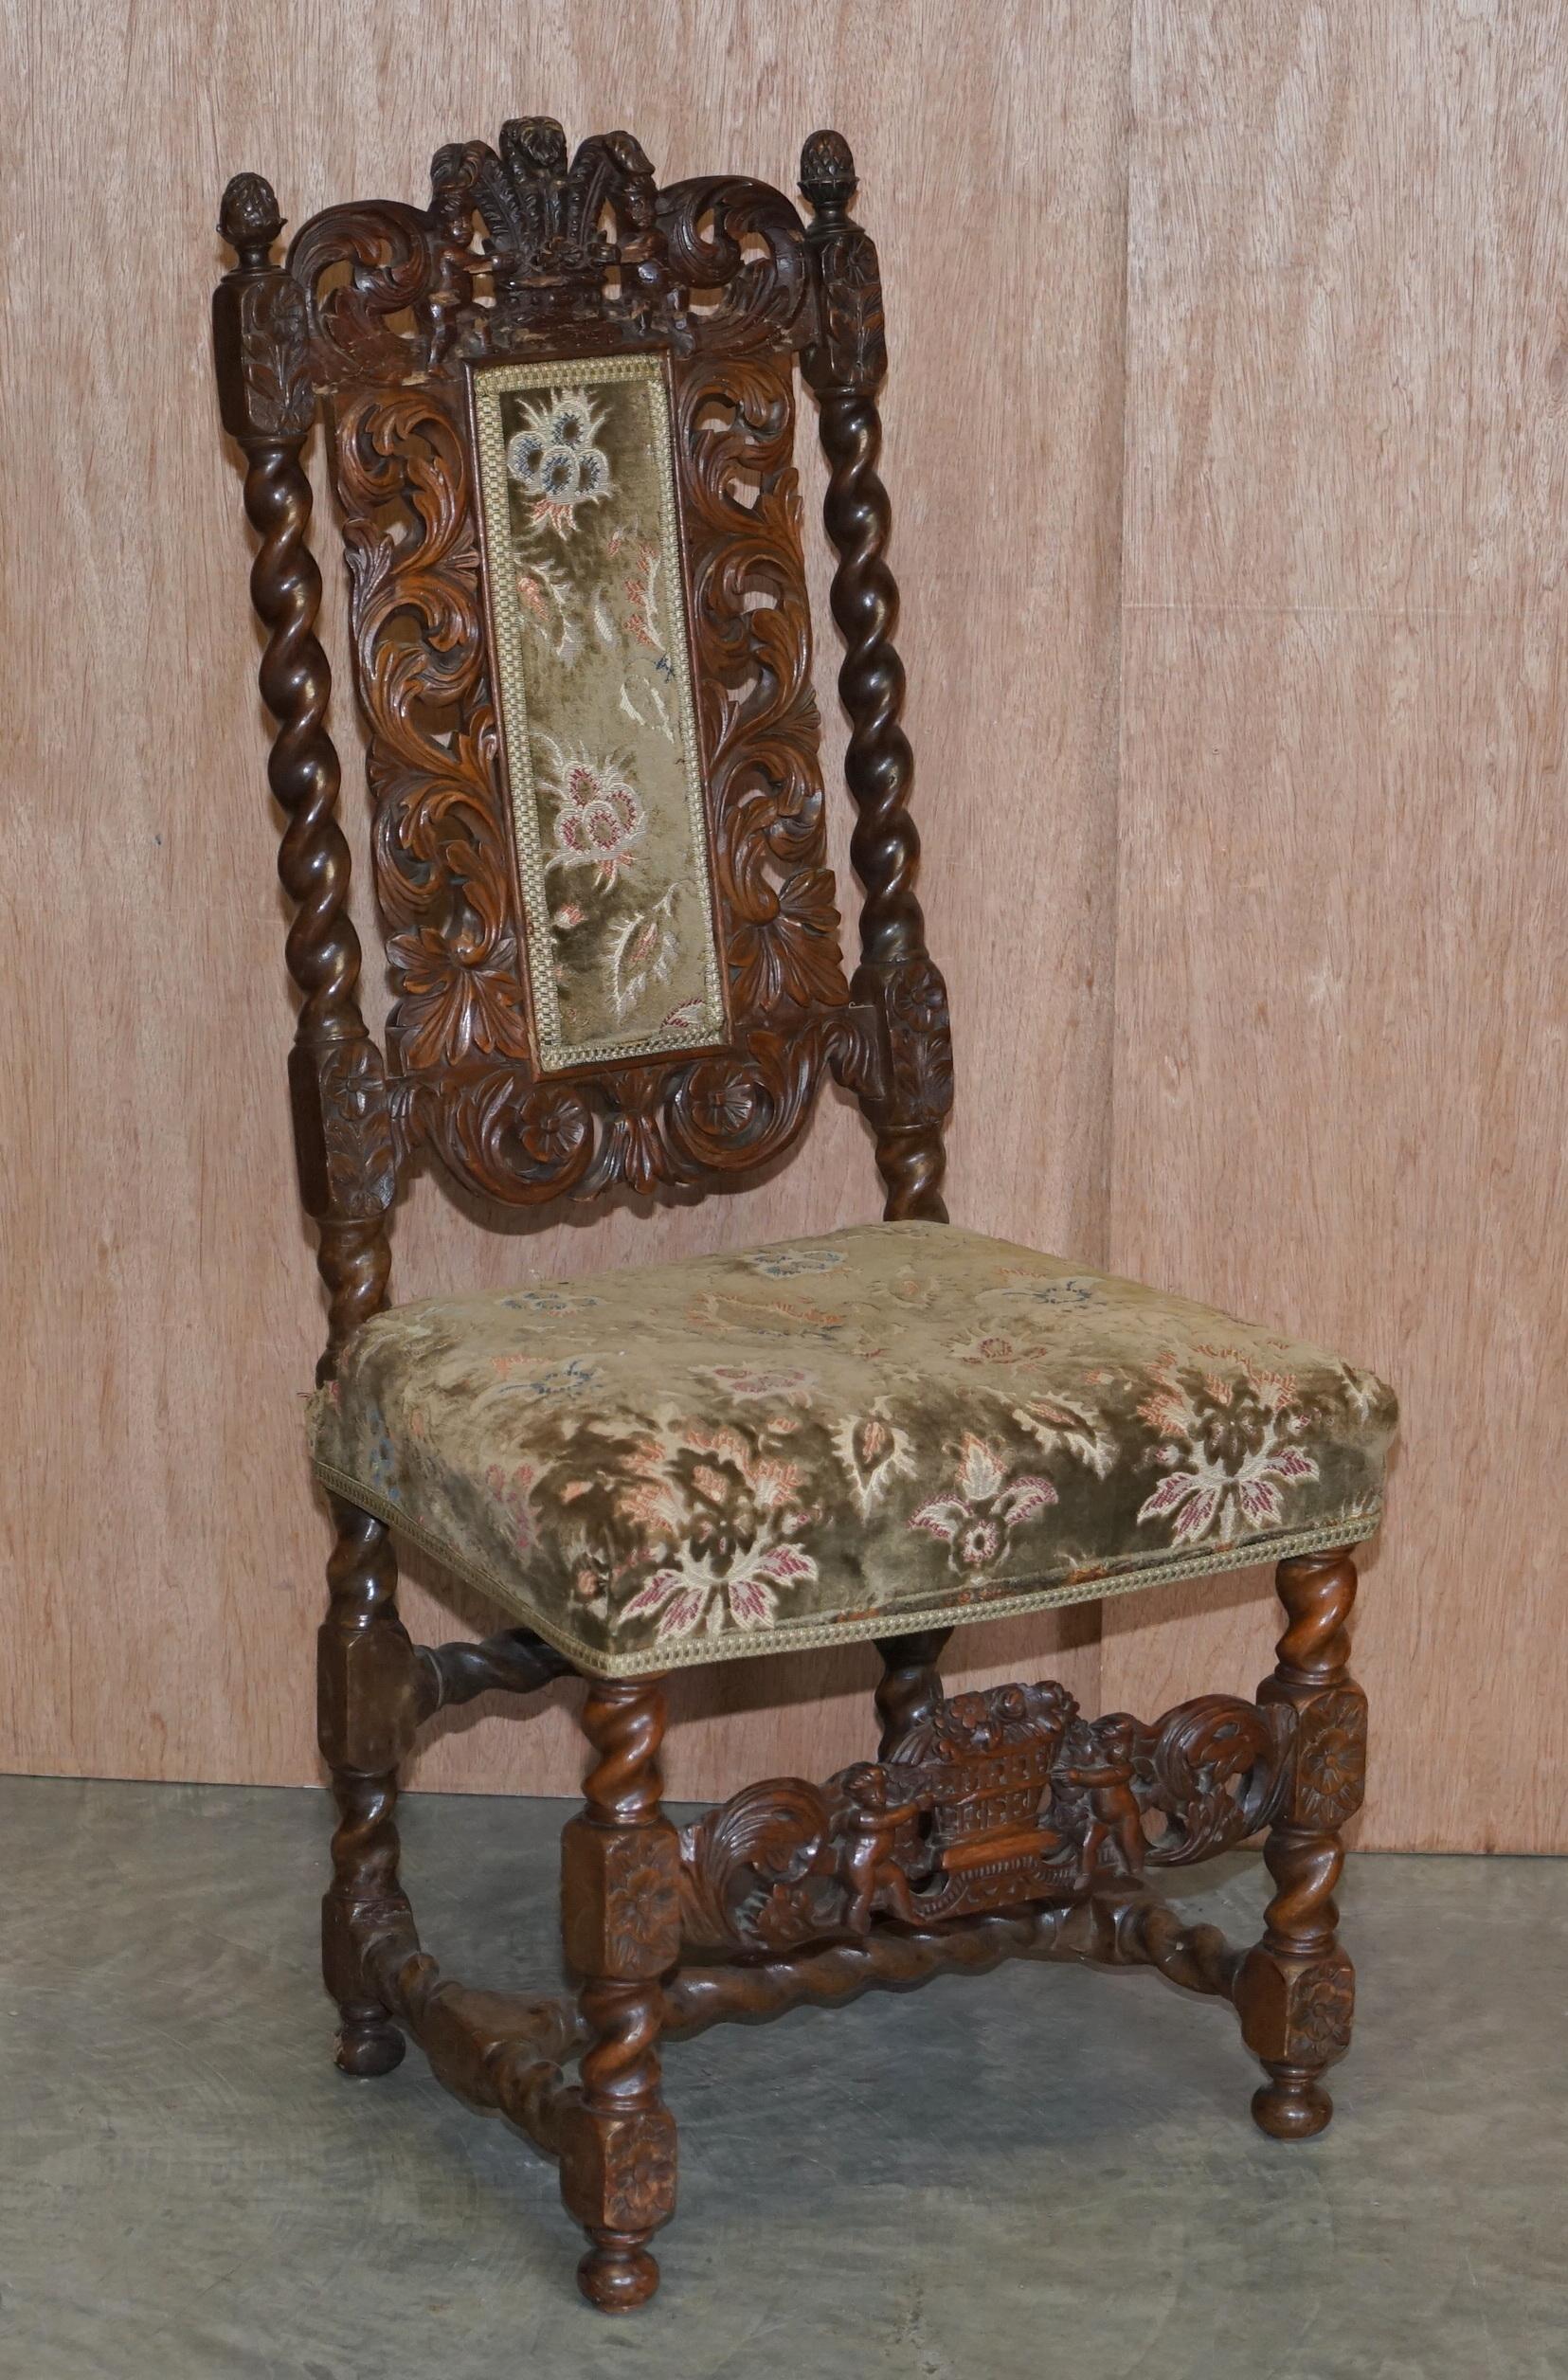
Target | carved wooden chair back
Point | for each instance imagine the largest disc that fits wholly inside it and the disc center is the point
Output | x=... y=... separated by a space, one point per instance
x=560 y=407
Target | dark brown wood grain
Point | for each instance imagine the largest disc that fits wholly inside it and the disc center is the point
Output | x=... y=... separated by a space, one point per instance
x=989 y=1800
x=620 y=1923
x=366 y=1683
x=1116 y=1929
x=845 y=363
x=1297 y=1991
x=909 y=1687
x=990 y=1825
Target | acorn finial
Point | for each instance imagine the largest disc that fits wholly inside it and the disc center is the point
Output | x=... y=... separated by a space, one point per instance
x=249 y=218
x=828 y=169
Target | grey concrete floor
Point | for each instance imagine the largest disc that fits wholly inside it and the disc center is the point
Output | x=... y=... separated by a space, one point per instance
x=1039 y=2171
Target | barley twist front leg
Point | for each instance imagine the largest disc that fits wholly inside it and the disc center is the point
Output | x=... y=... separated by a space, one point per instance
x=621 y=1921
x=1295 y=1991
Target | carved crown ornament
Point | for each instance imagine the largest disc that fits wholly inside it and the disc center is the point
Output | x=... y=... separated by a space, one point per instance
x=520 y=242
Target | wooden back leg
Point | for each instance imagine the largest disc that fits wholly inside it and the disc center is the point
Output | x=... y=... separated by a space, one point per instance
x=365 y=1674
x=910 y=1689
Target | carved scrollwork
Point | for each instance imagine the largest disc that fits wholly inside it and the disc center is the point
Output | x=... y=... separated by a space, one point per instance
x=759 y=1871
x=361 y=268
x=987 y=1801
x=1212 y=1769
x=751 y=625
x=704 y=225
x=519 y=246
x=396 y=303
x=441 y=857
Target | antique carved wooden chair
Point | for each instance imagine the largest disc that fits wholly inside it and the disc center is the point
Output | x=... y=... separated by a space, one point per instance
x=561 y=416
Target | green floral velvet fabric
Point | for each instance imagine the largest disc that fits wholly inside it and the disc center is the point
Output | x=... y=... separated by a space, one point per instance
x=594 y=675
x=900 y=1425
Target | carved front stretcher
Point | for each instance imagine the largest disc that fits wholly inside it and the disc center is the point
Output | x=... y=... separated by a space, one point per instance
x=991 y=1801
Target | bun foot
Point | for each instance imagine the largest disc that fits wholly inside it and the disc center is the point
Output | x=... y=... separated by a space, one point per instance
x=617 y=2275
x=369 y=2044
x=1292 y=2105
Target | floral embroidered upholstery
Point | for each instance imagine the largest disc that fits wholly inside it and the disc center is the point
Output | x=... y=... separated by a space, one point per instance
x=588 y=619
x=900 y=1424
x=897 y=1424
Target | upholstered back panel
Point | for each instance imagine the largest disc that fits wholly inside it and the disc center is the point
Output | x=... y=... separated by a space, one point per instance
x=562 y=409
x=586 y=588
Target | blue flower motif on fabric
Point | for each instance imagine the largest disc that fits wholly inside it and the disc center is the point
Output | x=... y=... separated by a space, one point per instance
x=787 y=1264
x=549 y=1302
x=380 y=1459
x=1054 y=1292
x=557 y=1379
x=555 y=461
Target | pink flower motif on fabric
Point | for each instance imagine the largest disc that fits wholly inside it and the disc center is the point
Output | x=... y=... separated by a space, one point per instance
x=642 y=597
x=691 y=1591
x=744 y=1382
x=998 y=1347
x=511 y=1491
x=976 y=1521
x=1227 y=1450
x=874 y=1452
x=599 y=813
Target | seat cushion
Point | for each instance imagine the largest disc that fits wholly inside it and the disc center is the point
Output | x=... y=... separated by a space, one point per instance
x=900 y=1425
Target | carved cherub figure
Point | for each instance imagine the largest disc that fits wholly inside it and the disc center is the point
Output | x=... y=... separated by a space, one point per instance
x=1101 y=1771
x=869 y=1863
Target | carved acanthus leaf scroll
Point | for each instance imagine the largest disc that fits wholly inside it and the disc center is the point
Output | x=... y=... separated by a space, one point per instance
x=521 y=250
x=991 y=1801
x=1214 y=1769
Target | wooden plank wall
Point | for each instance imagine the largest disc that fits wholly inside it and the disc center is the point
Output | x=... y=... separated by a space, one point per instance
x=1342 y=989
x=1226 y=435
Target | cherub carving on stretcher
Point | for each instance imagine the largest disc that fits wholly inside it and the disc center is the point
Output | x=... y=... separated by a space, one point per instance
x=873 y=1862
x=1101 y=1806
